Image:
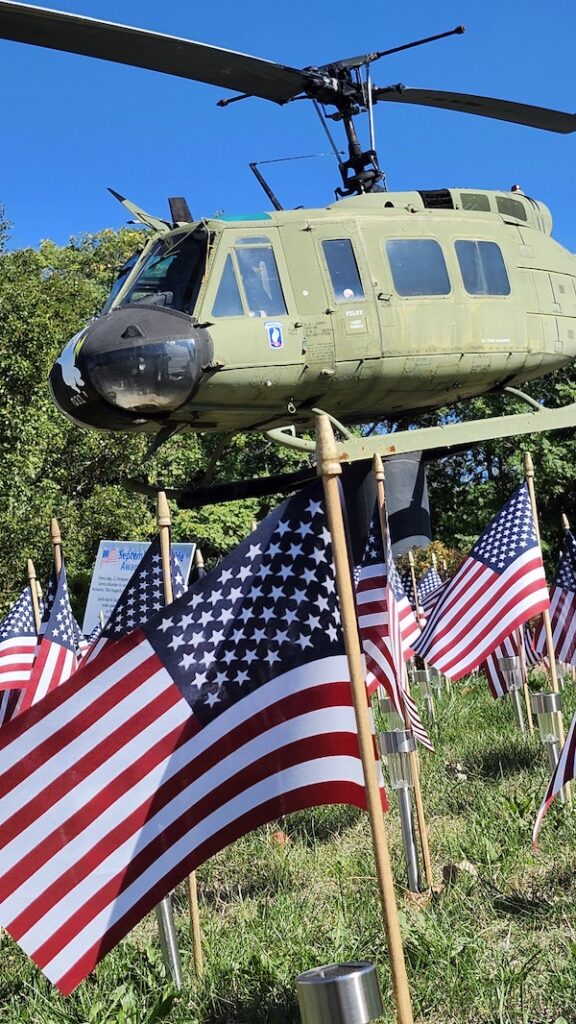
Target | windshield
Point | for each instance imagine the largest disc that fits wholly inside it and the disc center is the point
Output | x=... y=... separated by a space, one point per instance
x=172 y=273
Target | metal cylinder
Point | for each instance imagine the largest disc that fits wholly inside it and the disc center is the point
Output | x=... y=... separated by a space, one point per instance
x=518 y=712
x=339 y=994
x=169 y=941
x=394 y=721
x=511 y=669
x=548 y=709
x=396 y=747
x=421 y=677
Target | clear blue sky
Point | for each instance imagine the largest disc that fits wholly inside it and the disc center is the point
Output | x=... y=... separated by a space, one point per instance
x=70 y=126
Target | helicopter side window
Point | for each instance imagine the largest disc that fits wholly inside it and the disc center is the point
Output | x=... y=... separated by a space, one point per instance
x=261 y=281
x=343 y=269
x=418 y=266
x=228 y=301
x=482 y=268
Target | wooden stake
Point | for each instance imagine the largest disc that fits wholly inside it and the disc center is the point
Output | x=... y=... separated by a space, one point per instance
x=378 y=469
x=164 y=522
x=33 y=584
x=529 y=474
x=56 y=544
x=329 y=468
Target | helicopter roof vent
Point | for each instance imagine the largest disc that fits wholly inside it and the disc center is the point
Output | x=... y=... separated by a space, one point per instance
x=437 y=199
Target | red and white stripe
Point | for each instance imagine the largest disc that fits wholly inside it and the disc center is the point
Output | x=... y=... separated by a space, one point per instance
x=563 y=621
x=16 y=661
x=112 y=792
x=479 y=609
x=54 y=664
x=383 y=630
x=496 y=681
x=564 y=771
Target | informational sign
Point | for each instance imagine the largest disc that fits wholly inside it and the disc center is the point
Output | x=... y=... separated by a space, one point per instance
x=115 y=562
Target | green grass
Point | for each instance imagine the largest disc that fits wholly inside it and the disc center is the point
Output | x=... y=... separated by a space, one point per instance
x=496 y=946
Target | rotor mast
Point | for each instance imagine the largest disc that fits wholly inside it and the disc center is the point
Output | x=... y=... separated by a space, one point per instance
x=338 y=87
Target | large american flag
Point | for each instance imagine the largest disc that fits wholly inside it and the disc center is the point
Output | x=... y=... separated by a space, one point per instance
x=57 y=656
x=499 y=586
x=230 y=707
x=564 y=771
x=141 y=598
x=18 y=642
x=562 y=606
x=387 y=627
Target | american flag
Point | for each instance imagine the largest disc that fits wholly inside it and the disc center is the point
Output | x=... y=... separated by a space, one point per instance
x=110 y=556
x=430 y=599
x=8 y=703
x=564 y=771
x=496 y=681
x=18 y=642
x=428 y=583
x=57 y=656
x=562 y=606
x=141 y=598
x=499 y=586
x=230 y=707
x=387 y=626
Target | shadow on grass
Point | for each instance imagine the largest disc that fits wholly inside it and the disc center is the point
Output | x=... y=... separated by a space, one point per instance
x=518 y=904
x=269 y=1002
x=503 y=761
x=320 y=824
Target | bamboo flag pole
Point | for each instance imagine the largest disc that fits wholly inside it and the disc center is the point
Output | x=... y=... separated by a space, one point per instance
x=529 y=474
x=378 y=469
x=56 y=544
x=33 y=584
x=164 y=522
x=329 y=468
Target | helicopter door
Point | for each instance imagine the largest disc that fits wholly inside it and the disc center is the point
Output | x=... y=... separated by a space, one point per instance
x=351 y=299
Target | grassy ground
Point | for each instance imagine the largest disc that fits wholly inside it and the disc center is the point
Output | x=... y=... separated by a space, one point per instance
x=497 y=944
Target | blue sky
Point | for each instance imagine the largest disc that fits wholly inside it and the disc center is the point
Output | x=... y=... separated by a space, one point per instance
x=70 y=126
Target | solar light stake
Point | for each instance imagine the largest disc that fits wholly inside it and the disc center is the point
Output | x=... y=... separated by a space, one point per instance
x=394 y=721
x=421 y=677
x=396 y=748
x=560 y=674
x=548 y=710
x=512 y=672
x=340 y=994
x=529 y=474
x=436 y=680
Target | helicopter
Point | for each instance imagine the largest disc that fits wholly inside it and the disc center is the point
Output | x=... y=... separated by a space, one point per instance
x=380 y=305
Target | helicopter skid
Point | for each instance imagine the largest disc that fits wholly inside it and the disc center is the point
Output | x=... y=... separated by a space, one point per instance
x=441 y=438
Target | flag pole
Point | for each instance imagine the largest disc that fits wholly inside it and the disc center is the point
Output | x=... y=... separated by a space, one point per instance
x=56 y=544
x=33 y=584
x=164 y=522
x=378 y=470
x=329 y=469
x=529 y=474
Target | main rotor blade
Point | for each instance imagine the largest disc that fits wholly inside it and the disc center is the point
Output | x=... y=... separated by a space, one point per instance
x=138 y=47
x=501 y=110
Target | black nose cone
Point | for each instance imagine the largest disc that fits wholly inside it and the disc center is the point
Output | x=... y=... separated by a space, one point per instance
x=135 y=364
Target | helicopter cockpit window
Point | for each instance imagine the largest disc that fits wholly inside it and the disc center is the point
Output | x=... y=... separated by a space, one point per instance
x=125 y=270
x=259 y=274
x=482 y=267
x=172 y=273
x=228 y=301
x=343 y=269
x=418 y=266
